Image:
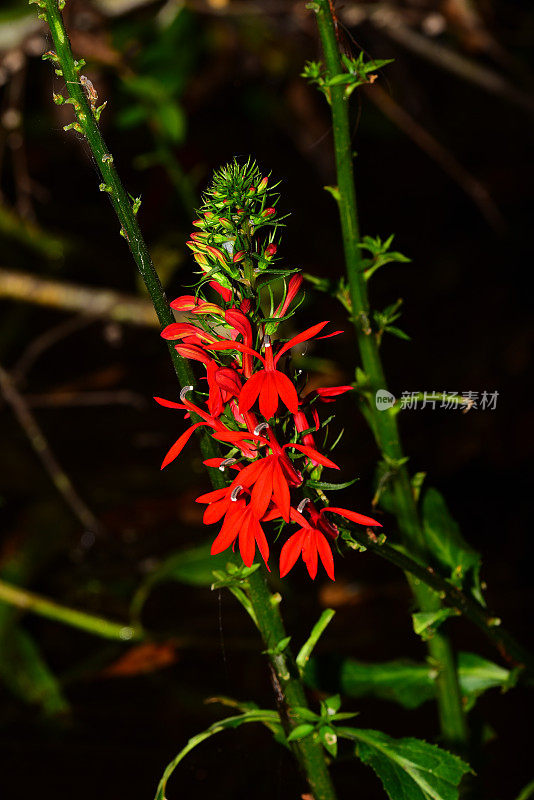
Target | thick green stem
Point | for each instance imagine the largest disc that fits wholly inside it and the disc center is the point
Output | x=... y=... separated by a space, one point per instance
x=452 y=717
x=288 y=686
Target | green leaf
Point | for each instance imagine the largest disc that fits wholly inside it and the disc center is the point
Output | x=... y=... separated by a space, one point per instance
x=269 y=718
x=425 y=623
x=409 y=769
x=194 y=567
x=301 y=732
x=26 y=674
x=328 y=737
x=330 y=487
x=316 y=633
x=406 y=682
x=477 y=675
x=447 y=543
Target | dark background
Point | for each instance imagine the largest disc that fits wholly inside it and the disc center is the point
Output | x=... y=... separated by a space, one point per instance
x=187 y=91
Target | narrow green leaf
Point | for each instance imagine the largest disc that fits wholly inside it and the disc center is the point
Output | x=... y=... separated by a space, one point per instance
x=266 y=717
x=409 y=769
x=330 y=487
x=316 y=633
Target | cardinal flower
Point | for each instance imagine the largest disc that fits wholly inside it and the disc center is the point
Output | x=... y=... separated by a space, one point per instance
x=271 y=476
x=242 y=523
x=310 y=540
x=269 y=384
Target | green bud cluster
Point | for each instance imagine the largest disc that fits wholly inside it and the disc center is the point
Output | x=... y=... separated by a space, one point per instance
x=237 y=224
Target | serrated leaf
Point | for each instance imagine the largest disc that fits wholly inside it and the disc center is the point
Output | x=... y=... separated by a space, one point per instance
x=410 y=769
x=446 y=542
x=425 y=623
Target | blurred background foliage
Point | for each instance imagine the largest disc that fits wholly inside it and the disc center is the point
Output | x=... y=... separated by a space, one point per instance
x=444 y=160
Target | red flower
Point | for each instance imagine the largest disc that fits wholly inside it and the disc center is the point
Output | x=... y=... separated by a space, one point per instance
x=310 y=539
x=240 y=522
x=271 y=476
x=269 y=385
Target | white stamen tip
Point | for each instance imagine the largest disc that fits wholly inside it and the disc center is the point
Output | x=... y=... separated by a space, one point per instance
x=261 y=427
x=266 y=341
x=226 y=463
x=184 y=391
x=302 y=505
x=235 y=493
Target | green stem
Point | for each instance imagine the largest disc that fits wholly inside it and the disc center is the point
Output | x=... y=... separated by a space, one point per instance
x=28 y=601
x=384 y=423
x=510 y=649
x=286 y=679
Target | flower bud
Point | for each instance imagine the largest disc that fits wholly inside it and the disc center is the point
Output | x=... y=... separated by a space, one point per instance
x=268 y=212
x=262 y=185
x=226 y=223
x=239 y=257
x=270 y=250
x=217 y=254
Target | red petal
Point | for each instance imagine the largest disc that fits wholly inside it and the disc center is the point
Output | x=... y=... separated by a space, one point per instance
x=314 y=455
x=250 y=391
x=263 y=547
x=287 y=391
x=281 y=490
x=291 y=551
x=179 y=444
x=309 y=333
x=227 y=535
x=326 y=554
x=269 y=396
x=353 y=516
x=241 y=348
x=168 y=403
x=247 y=539
x=263 y=488
x=212 y=497
x=215 y=511
x=309 y=553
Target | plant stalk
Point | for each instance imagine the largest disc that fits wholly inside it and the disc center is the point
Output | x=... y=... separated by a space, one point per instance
x=287 y=683
x=384 y=423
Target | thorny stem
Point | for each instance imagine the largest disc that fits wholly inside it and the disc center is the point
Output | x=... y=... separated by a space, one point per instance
x=286 y=680
x=384 y=423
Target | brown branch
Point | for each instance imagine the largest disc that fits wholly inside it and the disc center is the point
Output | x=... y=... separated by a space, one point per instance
x=92 y=302
x=40 y=444
x=436 y=151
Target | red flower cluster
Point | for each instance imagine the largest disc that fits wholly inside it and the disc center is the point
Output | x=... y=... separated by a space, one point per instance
x=252 y=399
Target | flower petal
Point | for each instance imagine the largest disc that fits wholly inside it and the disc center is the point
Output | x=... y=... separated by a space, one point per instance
x=314 y=455
x=325 y=554
x=291 y=551
x=287 y=391
x=269 y=396
x=250 y=391
x=353 y=516
x=309 y=333
x=281 y=490
x=179 y=444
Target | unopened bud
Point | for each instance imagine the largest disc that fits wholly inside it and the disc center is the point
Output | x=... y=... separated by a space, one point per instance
x=268 y=212
x=270 y=250
x=226 y=223
x=262 y=185
x=239 y=257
